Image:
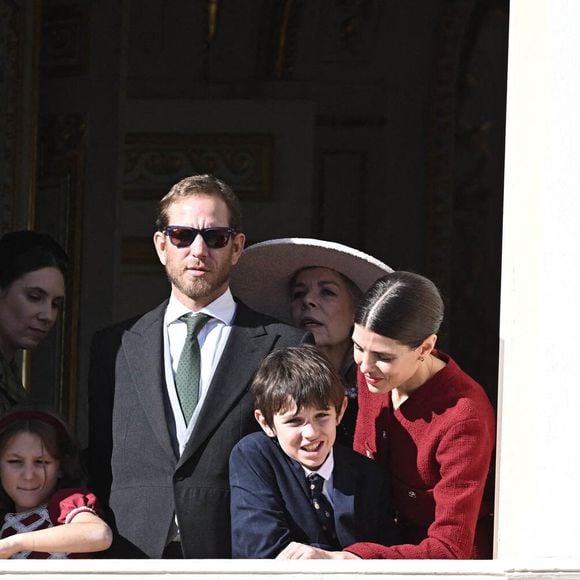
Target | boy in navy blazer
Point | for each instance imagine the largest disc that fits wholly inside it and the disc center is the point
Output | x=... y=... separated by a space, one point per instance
x=299 y=401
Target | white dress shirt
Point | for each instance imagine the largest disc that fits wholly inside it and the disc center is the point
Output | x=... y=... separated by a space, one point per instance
x=212 y=341
x=325 y=471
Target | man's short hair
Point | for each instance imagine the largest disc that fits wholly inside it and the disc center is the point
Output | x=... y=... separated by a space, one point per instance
x=296 y=374
x=201 y=185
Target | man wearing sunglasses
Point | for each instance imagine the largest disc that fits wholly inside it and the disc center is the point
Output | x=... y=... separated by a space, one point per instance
x=162 y=465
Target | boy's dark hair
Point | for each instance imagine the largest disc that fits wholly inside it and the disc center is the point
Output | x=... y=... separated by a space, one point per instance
x=297 y=374
x=56 y=439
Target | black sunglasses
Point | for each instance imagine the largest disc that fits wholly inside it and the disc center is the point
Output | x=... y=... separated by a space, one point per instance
x=183 y=236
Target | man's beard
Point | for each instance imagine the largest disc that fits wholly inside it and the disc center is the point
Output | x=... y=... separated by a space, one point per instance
x=198 y=287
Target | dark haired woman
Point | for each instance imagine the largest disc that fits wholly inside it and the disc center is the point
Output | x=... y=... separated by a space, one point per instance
x=32 y=286
x=428 y=422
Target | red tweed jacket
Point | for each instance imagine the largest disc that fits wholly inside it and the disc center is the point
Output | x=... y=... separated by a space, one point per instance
x=437 y=446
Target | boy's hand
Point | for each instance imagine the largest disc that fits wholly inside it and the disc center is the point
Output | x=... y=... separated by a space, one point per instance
x=297 y=551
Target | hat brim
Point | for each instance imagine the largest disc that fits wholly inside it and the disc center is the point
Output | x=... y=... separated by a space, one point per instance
x=262 y=275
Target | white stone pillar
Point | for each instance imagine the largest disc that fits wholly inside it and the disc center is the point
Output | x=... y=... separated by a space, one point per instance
x=537 y=499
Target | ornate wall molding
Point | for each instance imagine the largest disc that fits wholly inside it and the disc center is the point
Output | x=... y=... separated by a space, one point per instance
x=155 y=161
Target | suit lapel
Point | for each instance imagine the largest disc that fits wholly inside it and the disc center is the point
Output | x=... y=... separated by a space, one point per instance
x=143 y=349
x=298 y=472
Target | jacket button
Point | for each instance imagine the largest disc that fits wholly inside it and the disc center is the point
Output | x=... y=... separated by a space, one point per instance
x=412 y=494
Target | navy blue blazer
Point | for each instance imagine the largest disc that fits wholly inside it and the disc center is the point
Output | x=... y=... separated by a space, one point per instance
x=270 y=506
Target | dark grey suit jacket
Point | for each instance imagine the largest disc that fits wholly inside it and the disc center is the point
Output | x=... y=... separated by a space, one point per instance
x=131 y=434
x=271 y=506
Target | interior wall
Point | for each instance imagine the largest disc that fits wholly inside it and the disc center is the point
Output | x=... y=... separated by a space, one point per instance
x=19 y=53
x=330 y=104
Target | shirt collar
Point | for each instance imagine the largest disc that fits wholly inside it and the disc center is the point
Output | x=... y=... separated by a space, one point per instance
x=325 y=470
x=222 y=308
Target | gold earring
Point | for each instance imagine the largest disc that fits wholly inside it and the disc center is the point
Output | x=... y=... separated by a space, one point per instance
x=421 y=358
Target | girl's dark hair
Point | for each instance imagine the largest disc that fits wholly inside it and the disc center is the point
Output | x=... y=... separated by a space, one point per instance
x=403 y=306
x=56 y=439
x=296 y=374
x=26 y=251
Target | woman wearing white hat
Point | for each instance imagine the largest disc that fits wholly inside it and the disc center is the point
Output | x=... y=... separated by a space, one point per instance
x=314 y=284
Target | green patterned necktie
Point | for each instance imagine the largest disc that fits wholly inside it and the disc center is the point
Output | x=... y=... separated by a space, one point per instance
x=188 y=368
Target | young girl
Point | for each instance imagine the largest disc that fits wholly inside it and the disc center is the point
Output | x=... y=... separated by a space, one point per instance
x=39 y=475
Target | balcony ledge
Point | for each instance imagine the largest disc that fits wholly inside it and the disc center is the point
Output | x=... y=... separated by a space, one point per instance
x=268 y=569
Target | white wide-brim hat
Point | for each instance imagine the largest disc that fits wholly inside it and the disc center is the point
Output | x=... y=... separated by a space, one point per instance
x=262 y=275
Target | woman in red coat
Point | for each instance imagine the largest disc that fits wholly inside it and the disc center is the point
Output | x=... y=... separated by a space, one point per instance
x=428 y=422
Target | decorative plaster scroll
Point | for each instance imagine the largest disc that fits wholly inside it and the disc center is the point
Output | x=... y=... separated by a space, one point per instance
x=155 y=161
